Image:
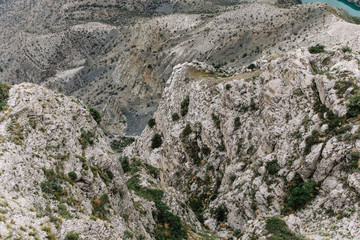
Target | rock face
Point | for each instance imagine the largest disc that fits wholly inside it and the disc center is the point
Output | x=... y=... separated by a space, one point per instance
x=58 y=173
x=247 y=145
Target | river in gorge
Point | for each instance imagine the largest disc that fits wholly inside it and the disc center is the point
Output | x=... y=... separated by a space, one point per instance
x=349 y=7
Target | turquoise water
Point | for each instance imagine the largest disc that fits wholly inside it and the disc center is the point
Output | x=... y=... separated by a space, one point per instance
x=349 y=7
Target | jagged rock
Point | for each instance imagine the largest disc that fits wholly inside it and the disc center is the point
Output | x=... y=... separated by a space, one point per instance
x=311 y=160
x=37 y=156
x=254 y=129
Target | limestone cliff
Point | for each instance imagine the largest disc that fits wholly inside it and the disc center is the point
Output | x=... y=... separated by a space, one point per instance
x=278 y=138
x=58 y=173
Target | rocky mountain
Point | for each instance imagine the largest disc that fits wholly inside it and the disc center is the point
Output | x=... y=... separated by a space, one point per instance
x=61 y=180
x=244 y=120
x=280 y=139
x=117 y=55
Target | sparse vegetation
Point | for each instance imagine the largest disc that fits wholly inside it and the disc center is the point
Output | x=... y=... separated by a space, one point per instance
x=95 y=114
x=72 y=175
x=354 y=162
x=120 y=144
x=86 y=139
x=301 y=193
x=354 y=106
x=72 y=236
x=156 y=141
x=216 y=120
x=99 y=206
x=272 y=167
x=279 y=230
x=106 y=175
x=318 y=48
x=175 y=117
x=52 y=184
x=237 y=123
x=187 y=131
x=220 y=213
x=185 y=106
x=125 y=164
x=4 y=94
x=342 y=86
x=191 y=145
x=346 y=49
x=153 y=171
x=151 y=122
x=16 y=130
x=168 y=224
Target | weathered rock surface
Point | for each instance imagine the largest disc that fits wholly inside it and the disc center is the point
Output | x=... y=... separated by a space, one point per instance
x=243 y=139
x=58 y=172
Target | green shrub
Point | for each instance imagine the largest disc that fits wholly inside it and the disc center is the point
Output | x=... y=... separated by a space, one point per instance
x=175 y=117
x=156 y=141
x=168 y=224
x=279 y=230
x=4 y=94
x=62 y=210
x=151 y=122
x=124 y=161
x=342 y=86
x=72 y=236
x=197 y=203
x=95 y=114
x=301 y=193
x=153 y=170
x=86 y=139
x=191 y=146
x=318 y=48
x=251 y=66
x=346 y=49
x=148 y=193
x=120 y=144
x=185 y=106
x=99 y=206
x=253 y=105
x=228 y=86
x=187 y=131
x=72 y=175
x=353 y=106
x=52 y=184
x=220 y=213
x=354 y=161
x=272 y=167
x=106 y=175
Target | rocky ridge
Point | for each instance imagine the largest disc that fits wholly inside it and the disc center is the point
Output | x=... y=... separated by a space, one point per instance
x=60 y=177
x=240 y=145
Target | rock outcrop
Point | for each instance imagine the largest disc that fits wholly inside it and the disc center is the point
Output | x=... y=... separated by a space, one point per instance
x=251 y=146
x=59 y=175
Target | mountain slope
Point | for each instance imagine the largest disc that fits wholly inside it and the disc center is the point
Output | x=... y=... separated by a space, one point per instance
x=120 y=65
x=275 y=140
